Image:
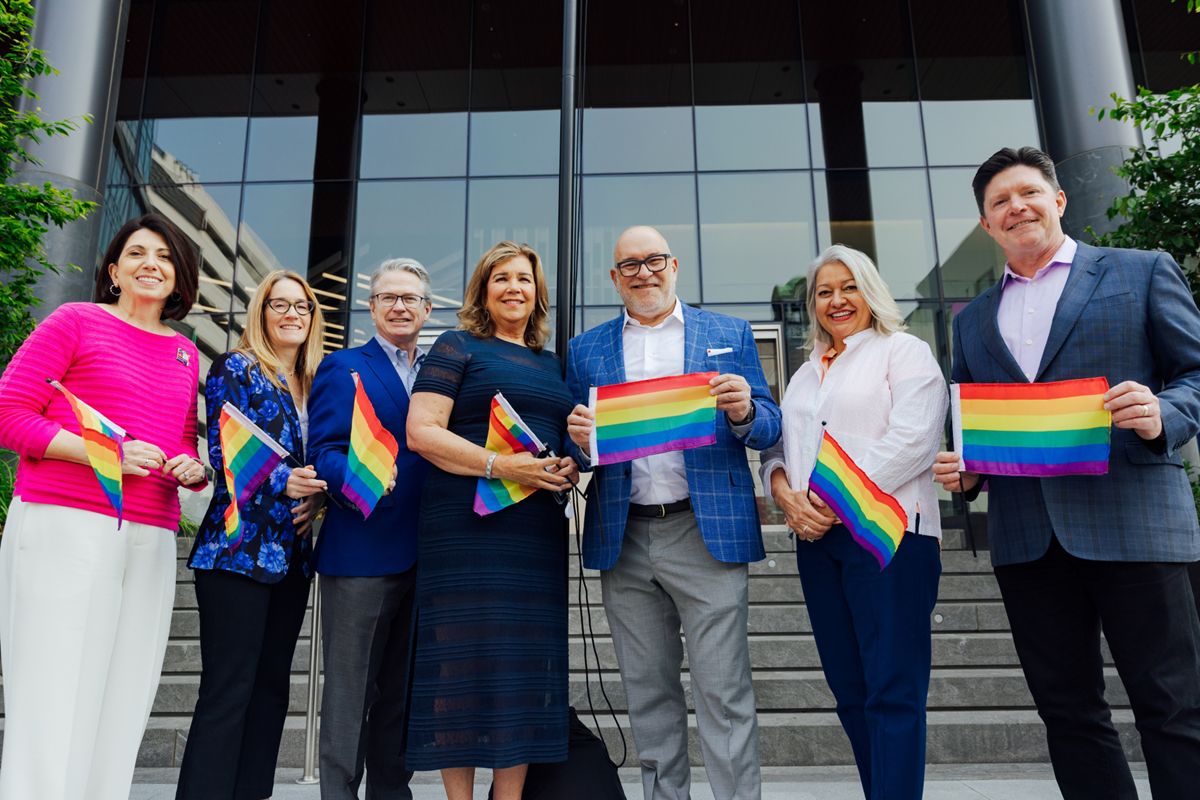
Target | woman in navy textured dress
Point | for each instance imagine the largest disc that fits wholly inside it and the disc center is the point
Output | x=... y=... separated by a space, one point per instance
x=490 y=685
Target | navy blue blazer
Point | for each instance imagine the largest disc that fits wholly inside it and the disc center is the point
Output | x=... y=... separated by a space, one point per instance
x=1126 y=315
x=719 y=479
x=386 y=542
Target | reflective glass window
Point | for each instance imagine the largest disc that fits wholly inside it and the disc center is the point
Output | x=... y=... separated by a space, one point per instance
x=198 y=90
x=208 y=216
x=133 y=61
x=637 y=140
x=974 y=79
x=611 y=205
x=415 y=90
x=1166 y=31
x=424 y=220
x=519 y=209
x=884 y=213
x=859 y=53
x=515 y=142
x=971 y=260
x=749 y=85
x=598 y=315
x=756 y=234
x=306 y=84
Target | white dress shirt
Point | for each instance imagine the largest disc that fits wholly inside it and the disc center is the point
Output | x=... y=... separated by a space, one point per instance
x=399 y=358
x=884 y=400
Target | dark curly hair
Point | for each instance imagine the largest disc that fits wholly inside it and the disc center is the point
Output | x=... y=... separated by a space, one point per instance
x=183 y=257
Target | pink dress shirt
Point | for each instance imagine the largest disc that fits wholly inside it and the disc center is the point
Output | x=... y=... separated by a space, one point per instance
x=144 y=382
x=1027 y=307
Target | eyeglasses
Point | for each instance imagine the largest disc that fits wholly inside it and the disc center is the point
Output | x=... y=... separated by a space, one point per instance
x=632 y=266
x=388 y=300
x=281 y=306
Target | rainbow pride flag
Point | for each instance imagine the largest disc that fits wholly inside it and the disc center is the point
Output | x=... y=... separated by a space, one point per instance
x=642 y=418
x=372 y=455
x=1039 y=430
x=507 y=435
x=248 y=455
x=102 y=440
x=875 y=519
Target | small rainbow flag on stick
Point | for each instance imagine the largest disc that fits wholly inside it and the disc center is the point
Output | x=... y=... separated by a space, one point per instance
x=248 y=455
x=507 y=435
x=102 y=441
x=1036 y=430
x=875 y=519
x=372 y=455
x=642 y=418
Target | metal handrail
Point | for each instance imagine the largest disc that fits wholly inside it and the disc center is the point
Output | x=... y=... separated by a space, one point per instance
x=312 y=774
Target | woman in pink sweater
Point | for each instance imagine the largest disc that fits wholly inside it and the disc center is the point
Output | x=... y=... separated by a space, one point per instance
x=85 y=604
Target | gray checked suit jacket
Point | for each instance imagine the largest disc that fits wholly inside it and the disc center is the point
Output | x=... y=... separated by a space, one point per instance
x=1126 y=315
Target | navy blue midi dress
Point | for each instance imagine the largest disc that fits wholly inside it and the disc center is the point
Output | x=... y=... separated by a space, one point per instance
x=490 y=679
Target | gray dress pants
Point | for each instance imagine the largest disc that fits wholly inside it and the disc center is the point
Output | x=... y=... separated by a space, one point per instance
x=367 y=624
x=665 y=578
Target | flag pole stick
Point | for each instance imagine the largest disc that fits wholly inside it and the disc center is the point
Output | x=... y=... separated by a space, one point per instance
x=311 y=773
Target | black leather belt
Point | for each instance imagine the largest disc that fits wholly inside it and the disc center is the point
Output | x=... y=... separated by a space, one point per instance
x=657 y=511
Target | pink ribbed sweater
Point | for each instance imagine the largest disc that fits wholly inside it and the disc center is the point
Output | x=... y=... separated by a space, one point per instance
x=143 y=382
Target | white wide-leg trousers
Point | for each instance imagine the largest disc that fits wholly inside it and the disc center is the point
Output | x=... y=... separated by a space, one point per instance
x=85 y=611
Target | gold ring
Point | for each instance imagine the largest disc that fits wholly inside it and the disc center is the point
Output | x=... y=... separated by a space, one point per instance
x=1145 y=411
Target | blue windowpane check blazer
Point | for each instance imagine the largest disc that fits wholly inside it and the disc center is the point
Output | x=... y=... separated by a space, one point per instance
x=719 y=479
x=1126 y=315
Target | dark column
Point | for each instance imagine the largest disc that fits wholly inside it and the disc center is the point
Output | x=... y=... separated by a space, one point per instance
x=565 y=300
x=85 y=41
x=1080 y=57
x=843 y=131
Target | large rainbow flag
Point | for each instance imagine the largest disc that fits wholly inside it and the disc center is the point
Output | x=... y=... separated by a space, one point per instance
x=642 y=418
x=1036 y=430
x=875 y=519
x=102 y=440
x=507 y=435
x=372 y=456
x=248 y=455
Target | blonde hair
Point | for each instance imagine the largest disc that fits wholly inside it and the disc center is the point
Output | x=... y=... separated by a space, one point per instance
x=886 y=318
x=256 y=343
x=474 y=317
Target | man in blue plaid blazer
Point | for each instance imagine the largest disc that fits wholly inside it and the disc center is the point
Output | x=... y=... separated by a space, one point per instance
x=1079 y=554
x=672 y=533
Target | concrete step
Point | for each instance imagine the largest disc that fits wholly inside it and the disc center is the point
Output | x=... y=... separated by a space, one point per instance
x=785 y=739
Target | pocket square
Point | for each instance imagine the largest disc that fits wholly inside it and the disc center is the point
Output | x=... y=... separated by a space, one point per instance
x=719 y=351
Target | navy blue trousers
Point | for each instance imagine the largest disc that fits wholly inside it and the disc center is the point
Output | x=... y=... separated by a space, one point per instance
x=873 y=632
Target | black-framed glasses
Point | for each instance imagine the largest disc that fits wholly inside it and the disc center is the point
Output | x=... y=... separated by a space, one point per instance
x=632 y=266
x=281 y=306
x=389 y=300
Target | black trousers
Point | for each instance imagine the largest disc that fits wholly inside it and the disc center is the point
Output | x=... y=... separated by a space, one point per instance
x=1057 y=607
x=367 y=625
x=248 y=635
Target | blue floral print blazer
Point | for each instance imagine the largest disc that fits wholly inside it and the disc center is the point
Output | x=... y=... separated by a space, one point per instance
x=269 y=535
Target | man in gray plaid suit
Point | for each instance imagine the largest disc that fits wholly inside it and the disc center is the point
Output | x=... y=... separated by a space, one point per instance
x=1079 y=554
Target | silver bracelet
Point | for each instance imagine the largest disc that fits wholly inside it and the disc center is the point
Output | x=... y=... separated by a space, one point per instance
x=487 y=473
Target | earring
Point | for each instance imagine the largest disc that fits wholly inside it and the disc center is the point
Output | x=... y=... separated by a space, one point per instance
x=176 y=297
x=116 y=290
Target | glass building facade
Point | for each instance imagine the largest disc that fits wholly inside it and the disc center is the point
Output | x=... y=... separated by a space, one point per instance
x=325 y=136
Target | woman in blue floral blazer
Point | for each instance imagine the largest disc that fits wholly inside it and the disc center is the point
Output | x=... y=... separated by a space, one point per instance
x=252 y=594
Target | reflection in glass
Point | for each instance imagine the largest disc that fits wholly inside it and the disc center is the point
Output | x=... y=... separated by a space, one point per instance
x=414 y=145
x=275 y=231
x=413 y=219
x=519 y=209
x=508 y=72
x=638 y=54
x=133 y=60
x=514 y=142
x=756 y=233
x=895 y=230
x=758 y=312
x=970 y=51
x=637 y=140
x=593 y=316
x=893 y=132
x=967 y=132
x=281 y=148
x=971 y=260
x=1166 y=35
x=611 y=205
x=206 y=149
x=208 y=216
x=751 y=137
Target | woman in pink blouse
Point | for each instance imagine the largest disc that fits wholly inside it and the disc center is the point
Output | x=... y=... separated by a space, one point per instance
x=85 y=605
x=880 y=393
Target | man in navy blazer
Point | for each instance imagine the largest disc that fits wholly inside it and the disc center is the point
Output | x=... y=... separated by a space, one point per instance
x=1079 y=554
x=368 y=566
x=672 y=533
